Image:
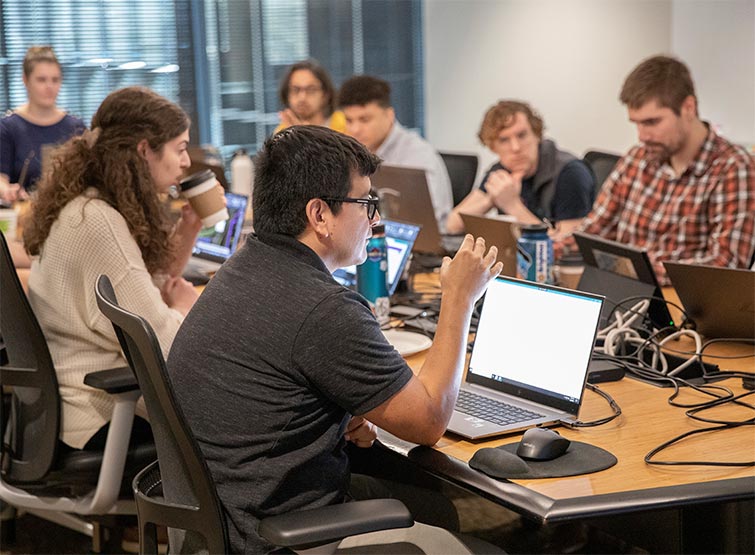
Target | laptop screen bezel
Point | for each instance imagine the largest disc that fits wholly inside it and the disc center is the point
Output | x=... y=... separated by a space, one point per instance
x=532 y=394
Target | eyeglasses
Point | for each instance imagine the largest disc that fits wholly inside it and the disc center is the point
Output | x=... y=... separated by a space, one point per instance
x=370 y=202
x=308 y=91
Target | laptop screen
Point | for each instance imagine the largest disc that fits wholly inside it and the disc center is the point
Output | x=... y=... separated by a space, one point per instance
x=535 y=341
x=399 y=239
x=219 y=242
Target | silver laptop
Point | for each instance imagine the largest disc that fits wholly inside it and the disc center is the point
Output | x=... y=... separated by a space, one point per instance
x=404 y=196
x=500 y=232
x=216 y=244
x=530 y=358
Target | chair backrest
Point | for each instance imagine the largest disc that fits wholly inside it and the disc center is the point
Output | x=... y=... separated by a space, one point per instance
x=462 y=169
x=186 y=480
x=30 y=436
x=602 y=164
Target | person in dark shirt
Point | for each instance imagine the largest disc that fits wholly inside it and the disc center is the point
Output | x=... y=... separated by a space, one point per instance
x=533 y=180
x=278 y=366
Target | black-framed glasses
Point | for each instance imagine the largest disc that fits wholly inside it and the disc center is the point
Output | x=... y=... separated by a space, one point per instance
x=371 y=202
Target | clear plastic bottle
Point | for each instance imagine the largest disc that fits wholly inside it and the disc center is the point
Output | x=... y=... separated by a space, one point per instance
x=242 y=173
x=372 y=275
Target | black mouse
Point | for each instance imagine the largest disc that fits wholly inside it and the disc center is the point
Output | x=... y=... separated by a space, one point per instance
x=542 y=444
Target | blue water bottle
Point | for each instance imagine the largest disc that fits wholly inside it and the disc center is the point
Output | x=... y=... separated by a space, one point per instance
x=535 y=254
x=372 y=275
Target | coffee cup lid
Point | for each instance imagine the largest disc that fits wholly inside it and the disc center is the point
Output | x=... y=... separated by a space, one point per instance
x=196 y=179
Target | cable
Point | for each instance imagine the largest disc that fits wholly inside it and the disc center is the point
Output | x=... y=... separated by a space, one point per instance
x=611 y=403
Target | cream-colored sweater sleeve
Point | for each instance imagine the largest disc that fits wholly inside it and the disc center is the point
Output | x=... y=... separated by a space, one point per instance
x=90 y=238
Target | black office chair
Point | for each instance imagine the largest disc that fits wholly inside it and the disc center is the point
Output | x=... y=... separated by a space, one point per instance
x=601 y=163
x=177 y=490
x=462 y=169
x=61 y=485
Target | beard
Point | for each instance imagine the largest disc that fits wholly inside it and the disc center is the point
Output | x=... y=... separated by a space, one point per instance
x=658 y=152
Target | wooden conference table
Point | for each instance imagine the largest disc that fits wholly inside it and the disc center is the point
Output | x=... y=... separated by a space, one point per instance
x=691 y=505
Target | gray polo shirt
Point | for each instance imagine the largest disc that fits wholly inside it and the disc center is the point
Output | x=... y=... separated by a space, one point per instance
x=268 y=368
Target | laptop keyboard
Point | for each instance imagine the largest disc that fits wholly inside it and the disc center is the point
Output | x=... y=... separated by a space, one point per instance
x=491 y=410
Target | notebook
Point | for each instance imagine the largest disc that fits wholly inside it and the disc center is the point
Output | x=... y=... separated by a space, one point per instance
x=620 y=271
x=531 y=352
x=499 y=232
x=399 y=238
x=404 y=196
x=721 y=301
x=216 y=244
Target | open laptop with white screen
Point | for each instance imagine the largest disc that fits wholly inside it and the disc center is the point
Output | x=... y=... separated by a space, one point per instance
x=531 y=352
x=399 y=238
x=216 y=244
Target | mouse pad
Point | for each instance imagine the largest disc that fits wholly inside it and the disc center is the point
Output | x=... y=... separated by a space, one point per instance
x=503 y=462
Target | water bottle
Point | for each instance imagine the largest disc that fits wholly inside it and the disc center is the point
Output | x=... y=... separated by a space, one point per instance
x=242 y=173
x=535 y=254
x=372 y=275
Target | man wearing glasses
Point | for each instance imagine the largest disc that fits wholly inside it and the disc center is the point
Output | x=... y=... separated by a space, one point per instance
x=278 y=366
x=533 y=180
x=308 y=98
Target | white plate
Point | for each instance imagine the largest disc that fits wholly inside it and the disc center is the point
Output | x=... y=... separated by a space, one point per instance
x=406 y=342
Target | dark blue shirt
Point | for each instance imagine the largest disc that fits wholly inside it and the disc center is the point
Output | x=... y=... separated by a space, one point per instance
x=21 y=140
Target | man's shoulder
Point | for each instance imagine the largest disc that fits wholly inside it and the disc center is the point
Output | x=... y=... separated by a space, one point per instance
x=724 y=152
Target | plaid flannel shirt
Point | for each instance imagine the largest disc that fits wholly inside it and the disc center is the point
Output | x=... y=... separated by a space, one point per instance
x=706 y=215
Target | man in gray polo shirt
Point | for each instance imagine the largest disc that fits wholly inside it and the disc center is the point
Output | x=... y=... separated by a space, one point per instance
x=278 y=366
x=366 y=103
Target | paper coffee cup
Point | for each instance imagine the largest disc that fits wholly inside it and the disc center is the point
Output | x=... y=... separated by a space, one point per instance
x=205 y=197
x=8 y=222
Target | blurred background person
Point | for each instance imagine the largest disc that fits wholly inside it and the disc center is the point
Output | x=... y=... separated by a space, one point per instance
x=32 y=128
x=309 y=98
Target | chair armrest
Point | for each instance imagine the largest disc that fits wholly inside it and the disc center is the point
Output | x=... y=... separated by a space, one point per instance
x=312 y=527
x=114 y=380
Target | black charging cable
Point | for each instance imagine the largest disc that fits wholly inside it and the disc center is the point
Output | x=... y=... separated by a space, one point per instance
x=611 y=403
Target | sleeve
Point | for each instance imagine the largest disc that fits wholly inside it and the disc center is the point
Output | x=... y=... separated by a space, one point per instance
x=7 y=150
x=441 y=194
x=731 y=216
x=342 y=352
x=118 y=256
x=604 y=217
x=575 y=192
x=495 y=167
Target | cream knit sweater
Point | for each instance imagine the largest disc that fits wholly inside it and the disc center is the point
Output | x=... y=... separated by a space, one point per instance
x=90 y=238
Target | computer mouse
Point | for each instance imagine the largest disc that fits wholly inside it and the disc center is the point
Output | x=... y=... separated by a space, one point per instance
x=542 y=444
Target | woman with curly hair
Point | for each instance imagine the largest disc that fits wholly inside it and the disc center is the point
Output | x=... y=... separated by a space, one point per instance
x=100 y=210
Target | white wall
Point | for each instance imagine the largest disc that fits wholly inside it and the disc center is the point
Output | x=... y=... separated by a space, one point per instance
x=569 y=58
x=717 y=40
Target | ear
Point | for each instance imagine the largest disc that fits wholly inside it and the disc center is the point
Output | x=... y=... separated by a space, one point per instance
x=391 y=114
x=689 y=106
x=318 y=215
x=142 y=147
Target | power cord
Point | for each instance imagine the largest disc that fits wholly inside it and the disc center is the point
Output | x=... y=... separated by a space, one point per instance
x=611 y=403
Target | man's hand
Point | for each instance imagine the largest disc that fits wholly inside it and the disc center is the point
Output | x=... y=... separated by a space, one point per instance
x=505 y=189
x=289 y=118
x=11 y=192
x=467 y=276
x=361 y=432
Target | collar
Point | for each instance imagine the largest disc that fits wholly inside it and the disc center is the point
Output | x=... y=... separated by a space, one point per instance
x=391 y=140
x=294 y=248
x=700 y=164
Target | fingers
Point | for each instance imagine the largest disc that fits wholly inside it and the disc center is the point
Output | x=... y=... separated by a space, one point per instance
x=496 y=270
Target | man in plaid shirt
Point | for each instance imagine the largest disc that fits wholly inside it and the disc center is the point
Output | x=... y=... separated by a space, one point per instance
x=685 y=194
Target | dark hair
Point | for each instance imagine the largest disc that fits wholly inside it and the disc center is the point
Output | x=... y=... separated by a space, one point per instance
x=301 y=163
x=319 y=72
x=37 y=54
x=660 y=78
x=501 y=116
x=360 y=90
x=107 y=159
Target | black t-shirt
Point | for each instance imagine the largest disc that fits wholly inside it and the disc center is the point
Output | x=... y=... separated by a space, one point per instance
x=573 y=198
x=268 y=368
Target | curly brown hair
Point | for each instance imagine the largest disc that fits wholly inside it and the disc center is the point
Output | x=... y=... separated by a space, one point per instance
x=107 y=160
x=501 y=115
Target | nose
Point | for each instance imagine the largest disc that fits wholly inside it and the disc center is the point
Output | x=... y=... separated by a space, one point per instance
x=185 y=160
x=515 y=146
x=376 y=219
x=643 y=134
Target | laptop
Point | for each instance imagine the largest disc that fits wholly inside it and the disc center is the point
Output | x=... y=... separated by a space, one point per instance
x=399 y=238
x=404 y=196
x=532 y=352
x=501 y=232
x=721 y=301
x=216 y=244
x=620 y=271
